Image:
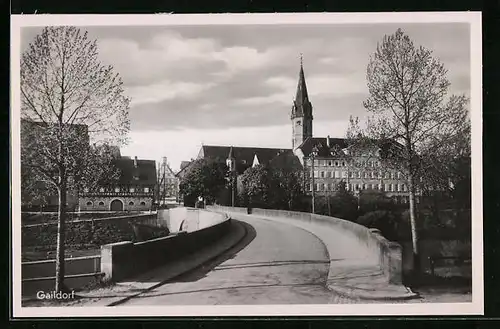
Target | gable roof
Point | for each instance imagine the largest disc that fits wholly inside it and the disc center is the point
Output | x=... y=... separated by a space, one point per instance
x=338 y=144
x=244 y=156
x=321 y=144
x=145 y=171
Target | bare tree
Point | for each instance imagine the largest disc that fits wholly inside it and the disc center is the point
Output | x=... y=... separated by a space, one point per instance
x=72 y=106
x=408 y=100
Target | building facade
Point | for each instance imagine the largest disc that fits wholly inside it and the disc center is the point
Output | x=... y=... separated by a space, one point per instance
x=133 y=191
x=168 y=183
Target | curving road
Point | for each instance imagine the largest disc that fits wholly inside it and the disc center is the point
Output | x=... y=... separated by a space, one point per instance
x=274 y=264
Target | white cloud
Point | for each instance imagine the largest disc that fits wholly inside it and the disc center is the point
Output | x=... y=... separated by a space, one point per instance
x=166 y=90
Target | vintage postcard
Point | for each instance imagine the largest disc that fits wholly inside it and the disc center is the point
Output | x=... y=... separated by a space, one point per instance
x=247 y=164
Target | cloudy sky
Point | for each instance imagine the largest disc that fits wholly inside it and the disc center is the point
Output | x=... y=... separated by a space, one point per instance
x=234 y=85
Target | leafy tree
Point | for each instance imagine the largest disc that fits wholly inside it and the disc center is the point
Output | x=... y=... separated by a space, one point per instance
x=407 y=98
x=68 y=100
x=257 y=184
x=287 y=183
x=205 y=178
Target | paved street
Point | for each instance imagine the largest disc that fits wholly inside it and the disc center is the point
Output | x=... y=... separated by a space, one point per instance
x=276 y=264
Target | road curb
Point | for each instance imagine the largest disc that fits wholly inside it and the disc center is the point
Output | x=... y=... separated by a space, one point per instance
x=232 y=244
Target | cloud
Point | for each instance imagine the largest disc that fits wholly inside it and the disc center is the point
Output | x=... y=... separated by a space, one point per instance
x=166 y=90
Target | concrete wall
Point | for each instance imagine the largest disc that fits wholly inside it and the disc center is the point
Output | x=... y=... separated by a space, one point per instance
x=372 y=246
x=44 y=272
x=187 y=219
x=125 y=259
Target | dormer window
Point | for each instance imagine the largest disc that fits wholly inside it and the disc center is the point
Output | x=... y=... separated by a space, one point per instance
x=117 y=189
x=146 y=189
x=132 y=190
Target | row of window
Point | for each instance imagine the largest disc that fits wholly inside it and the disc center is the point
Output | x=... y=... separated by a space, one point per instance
x=101 y=203
x=343 y=163
x=357 y=187
x=118 y=190
x=354 y=174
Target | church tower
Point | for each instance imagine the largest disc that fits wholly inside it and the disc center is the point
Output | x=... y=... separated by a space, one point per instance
x=301 y=115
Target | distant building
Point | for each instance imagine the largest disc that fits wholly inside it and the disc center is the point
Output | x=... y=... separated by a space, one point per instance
x=168 y=183
x=134 y=189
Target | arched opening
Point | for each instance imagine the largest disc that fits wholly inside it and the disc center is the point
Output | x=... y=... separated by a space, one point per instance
x=131 y=203
x=116 y=205
x=143 y=203
x=101 y=203
x=89 y=203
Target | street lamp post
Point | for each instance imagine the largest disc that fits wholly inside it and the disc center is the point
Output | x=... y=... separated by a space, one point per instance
x=313 y=154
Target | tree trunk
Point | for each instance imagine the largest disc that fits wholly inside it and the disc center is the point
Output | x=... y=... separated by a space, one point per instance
x=413 y=223
x=60 y=238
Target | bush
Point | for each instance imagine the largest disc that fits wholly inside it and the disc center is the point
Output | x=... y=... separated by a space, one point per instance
x=383 y=220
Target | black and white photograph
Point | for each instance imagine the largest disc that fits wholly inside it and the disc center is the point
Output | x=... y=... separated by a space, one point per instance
x=246 y=164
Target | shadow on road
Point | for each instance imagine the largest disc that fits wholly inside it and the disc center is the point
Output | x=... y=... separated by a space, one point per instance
x=201 y=271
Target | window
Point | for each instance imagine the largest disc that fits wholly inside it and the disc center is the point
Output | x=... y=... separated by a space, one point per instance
x=131 y=203
x=399 y=175
x=364 y=186
x=316 y=187
x=132 y=190
x=316 y=174
x=330 y=163
x=143 y=203
x=343 y=163
x=404 y=187
x=322 y=174
x=357 y=187
x=365 y=174
x=344 y=174
x=381 y=187
x=351 y=174
x=359 y=174
x=101 y=203
x=101 y=189
x=336 y=163
x=398 y=187
x=386 y=187
x=391 y=187
x=328 y=174
x=146 y=189
x=117 y=189
x=372 y=174
x=310 y=187
x=337 y=174
x=89 y=203
x=316 y=162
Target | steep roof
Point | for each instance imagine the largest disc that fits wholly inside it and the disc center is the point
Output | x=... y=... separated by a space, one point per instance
x=302 y=107
x=244 y=156
x=321 y=144
x=145 y=171
x=337 y=144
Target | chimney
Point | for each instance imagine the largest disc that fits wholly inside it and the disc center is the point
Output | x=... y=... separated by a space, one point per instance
x=135 y=161
x=328 y=141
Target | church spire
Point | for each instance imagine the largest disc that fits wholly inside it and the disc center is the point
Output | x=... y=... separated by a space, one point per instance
x=301 y=96
x=301 y=115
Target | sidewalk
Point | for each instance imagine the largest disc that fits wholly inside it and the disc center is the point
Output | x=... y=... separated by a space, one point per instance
x=125 y=290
